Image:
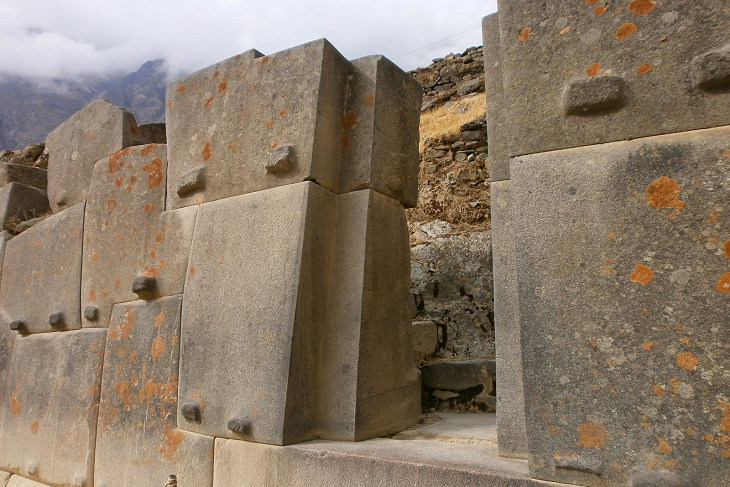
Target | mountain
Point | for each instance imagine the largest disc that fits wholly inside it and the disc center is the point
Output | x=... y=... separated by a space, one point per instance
x=31 y=108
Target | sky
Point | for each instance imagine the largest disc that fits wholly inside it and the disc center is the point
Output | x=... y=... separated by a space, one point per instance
x=52 y=38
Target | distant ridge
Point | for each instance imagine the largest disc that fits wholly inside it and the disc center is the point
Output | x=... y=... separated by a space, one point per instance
x=31 y=108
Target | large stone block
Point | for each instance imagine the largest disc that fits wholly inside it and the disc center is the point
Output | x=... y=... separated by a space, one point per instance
x=396 y=463
x=369 y=384
x=35 y=177
x=7 y=339
x=321 y=340
x=4 y=476
x=41 y=276
x=122 y=231
x=50 y=408
x=497 y=119
x=18 y=481
x=507 y=337
x=253 y=307
x=255 y=122
x=590 y=73
x=94 y=132
x=19 y=202
x=623 y=266
x=170 y=256
x=138 y=442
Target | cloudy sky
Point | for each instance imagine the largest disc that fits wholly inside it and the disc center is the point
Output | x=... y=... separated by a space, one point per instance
x=58 y=38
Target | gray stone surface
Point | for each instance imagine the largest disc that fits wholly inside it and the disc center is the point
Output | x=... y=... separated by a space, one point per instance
x=497 y=120
x=42 y=272
x=138 y=442
x=651 y=45
x=507 y=336
x=270 y=250
x=34 y=177
x=122 y=229
x=4 y=476
x=452 y=275
x=369 y=385
x=153 y=133
x=309 y=99
x=368 y=463
x=7 y=339
x=4 y=237
x=624 y=278
x=94 y=132
x=329 y=357
x=51 y=407
x=424 y=337
x=19 y=202
x=457 y=375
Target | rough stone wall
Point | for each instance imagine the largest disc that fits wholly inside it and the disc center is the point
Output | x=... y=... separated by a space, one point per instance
x=608 y=137
x=232 y=285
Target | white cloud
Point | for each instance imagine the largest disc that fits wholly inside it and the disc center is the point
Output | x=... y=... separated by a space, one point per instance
x=46 y=38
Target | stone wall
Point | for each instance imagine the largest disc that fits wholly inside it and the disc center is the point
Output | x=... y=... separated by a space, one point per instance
x=247 y=281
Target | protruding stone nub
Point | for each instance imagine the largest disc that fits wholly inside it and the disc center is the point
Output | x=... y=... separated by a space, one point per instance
x=18 y=325
x=712 y=69
x=56 y=319
x=280 y=160
x=91 y=313
x=595 y=94
x=191 y=181
x=240 y=425
x=585 y=465
x=171 y=481
x=191 y=412
x=657 y=479
x=145 y=287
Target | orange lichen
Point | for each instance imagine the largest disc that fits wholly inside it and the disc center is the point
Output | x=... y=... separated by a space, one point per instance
x=593 y=69
x=647 y=346
x=591 y=2
x=263 y=60
x=173 y=438
x=564 y=30
x=641 y=7
x=600 y=10
x=726 y=248
x=663 y=193
x=611 y=235
x=16 y=407
x=191 y=271
x=644 y=68
x=122 y=389
x=222 y=87
x=658 y=390
x=157 y=347
x=180 y=88
x=274 y=146
x=159 y=237
x=723 y=285
x=345 y=141
x=269 y=123
x=148 y=208
x=158 y=319
x=117 y=284
x=524 y=34
x=684 y=340
x=206 y=153
x=155 y=170
x=348 y=120
x=92 y=295
x=625 y=30
x=231 y=146
x=35 y=426
x=216 y=73
x=687 y=361
x=593 y=435
x=370 y=99
x=642 y=274
x=713 y=217
x=282 y=113
x=95 y=256
x=663 y=446
x=147 y=149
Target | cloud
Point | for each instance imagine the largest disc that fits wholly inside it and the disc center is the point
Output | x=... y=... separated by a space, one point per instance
x=47 y=38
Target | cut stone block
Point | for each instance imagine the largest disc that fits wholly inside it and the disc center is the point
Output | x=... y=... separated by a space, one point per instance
x=424 y=338
x=51 y=405
x=4 y=476
x=369 y=384
x=138 y=442
x=170 y=256
x=397 y=463
x=35 y=177
x=497 y=120
x=310 y=364
x=546 y=50
x=94 y=132
x=7 y=339
x=122 y=230
x=271 y=250
x=624 y=288
x=19 y=203
x=510 y=393
x=4 y=237
x=230 y=121
x=153 y=133
x=18 y=481
x=457 y=375
x=41 y=273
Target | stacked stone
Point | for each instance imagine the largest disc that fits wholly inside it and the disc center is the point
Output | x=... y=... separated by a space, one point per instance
x=610 y=166
x=248 y=281
x=451 y=77
x=22 y=187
